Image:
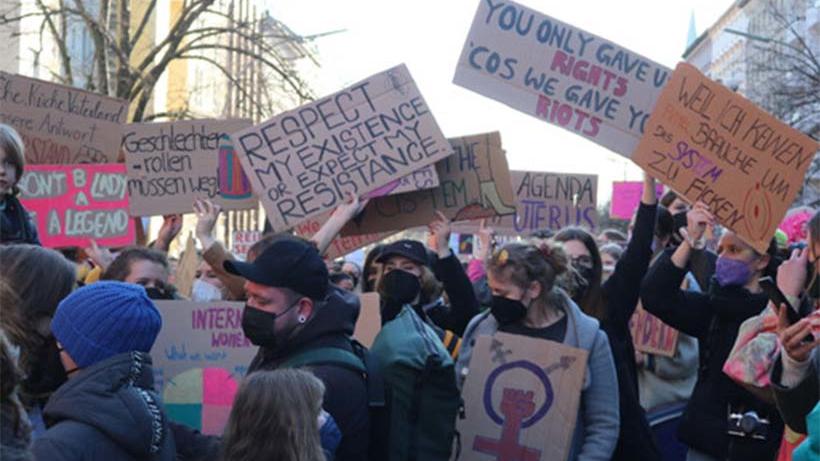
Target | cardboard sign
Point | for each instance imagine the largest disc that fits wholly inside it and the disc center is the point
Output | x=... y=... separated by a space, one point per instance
x=560 y=74
x=243 y=241
x=370 y=320
x=545 y=201
x=61 y=124
x=423 y=178
x=475 y=183
x=342 y=244
x=521 y=398
x=711 y=145
x=200 y=356
x=172 y=164
x=651 y=336
x=186 y=268
x=302 y=162
x=74 y=204
x=626 y=196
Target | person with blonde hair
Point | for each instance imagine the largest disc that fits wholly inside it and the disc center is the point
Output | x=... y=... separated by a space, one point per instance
x=276 y=416
x=16 y=225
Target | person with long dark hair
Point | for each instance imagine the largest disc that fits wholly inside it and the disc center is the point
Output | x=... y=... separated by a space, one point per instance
x=711 y=422
x=613 y=302
x=16 y=226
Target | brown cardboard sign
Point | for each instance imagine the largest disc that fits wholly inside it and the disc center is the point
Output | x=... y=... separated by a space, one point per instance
x=370 y=320
x=475 y=183
x=651 y=336
x=521 y=398
x=342 y=244
x=172 y=164
x=711 y=145
x=61 y=124
x=199 y=359
x=545 y=201
x=560 y=74
x=186 y=268
x=304 y=161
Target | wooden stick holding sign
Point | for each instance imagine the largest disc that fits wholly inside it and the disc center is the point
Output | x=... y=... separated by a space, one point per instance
x=302 y=162
x=560 y=74
x=711 y=145
x=521 y=398
x=475 y=183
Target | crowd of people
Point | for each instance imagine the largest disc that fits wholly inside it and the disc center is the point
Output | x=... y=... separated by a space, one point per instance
x=78 y=325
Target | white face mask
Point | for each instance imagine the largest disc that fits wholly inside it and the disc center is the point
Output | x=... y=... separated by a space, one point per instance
x=205 y=292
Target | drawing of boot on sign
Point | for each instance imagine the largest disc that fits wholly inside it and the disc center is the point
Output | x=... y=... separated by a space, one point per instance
x=481 y=165
x=489 y=193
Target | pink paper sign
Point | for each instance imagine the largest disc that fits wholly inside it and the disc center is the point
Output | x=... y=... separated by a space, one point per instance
x=626 y=195
x=73 y=204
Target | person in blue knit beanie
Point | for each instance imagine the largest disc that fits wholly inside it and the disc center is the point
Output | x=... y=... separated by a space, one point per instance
x=108 y=408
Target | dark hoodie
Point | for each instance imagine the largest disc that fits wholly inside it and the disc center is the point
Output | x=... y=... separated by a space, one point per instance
x=109 y=411
x=345 y=390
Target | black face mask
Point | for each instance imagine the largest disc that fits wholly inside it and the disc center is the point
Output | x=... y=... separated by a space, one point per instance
x=157 y=293
x=259 y=326
x=46 y=370
x=506 y=310
x=583 y=280
x=401 y=287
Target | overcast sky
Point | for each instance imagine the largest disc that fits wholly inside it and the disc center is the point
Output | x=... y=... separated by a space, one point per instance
x=428 y=35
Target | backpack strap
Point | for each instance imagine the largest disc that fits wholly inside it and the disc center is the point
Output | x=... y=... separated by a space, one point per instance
x=326 y=356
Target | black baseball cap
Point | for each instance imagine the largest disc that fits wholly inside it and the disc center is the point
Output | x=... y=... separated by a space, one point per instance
x=291 y=263
x=410 y=249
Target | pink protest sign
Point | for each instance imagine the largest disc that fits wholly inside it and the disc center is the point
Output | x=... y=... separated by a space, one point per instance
x=73 y=204
x=626 y=195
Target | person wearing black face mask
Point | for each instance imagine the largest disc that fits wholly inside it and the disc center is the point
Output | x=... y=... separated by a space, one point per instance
x=796 y=373
x=293 y=309
x=407 y=280
x=527 y=302
x=714 y=317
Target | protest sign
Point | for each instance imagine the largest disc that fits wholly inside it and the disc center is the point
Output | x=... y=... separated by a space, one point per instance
x=342 y=244
x=74 y=204
x=302 y=162
x=172 y=164
x=242 y=241
x=626 y=196
x=711 y=145
x=521 y=398
x=370 y=320
x=61 y=124
x=545 y=201
x=423 y=178
x=651 y=336
x=199 y=359
x=186 y=268
x=560 y=74
x=475 y=183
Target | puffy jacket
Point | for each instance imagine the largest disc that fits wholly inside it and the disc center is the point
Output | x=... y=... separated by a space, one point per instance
x=108 y=411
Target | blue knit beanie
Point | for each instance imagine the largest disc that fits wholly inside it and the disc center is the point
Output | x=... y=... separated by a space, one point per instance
x=104 y=319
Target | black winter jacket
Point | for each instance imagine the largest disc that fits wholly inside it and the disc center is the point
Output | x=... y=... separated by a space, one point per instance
x=16 y=225
x=714 y=318
x=345 y=390
x=108 y=411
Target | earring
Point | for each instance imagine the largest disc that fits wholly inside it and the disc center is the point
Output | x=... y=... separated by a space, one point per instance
x=302 y=319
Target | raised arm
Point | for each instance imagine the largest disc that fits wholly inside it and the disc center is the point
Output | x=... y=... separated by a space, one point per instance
x=213 y=252
x=340 y=216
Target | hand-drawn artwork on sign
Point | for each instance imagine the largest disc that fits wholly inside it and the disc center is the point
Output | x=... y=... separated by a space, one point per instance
x=545 y=201
x=521 y=398
x=560 y=74
x=651 y=336
x=172 y=164
x=711 y=145
x=74 y=204
x=475 y=183
x=303 y=162
x=626 y=196
x=242 y=241
x=342 y=244
x=423 y=178
x=61 y=124
x=199 y=358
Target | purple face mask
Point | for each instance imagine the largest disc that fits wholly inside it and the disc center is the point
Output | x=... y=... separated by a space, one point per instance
x=732 y=272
